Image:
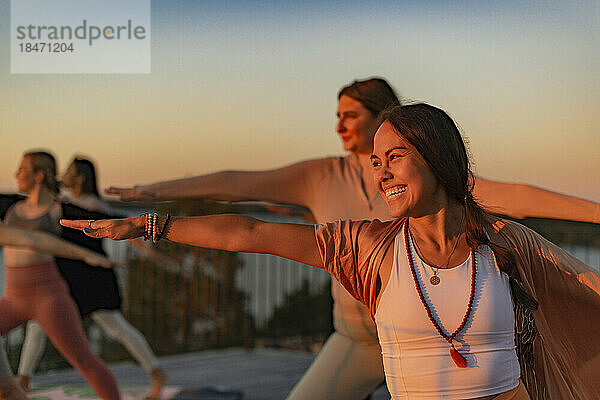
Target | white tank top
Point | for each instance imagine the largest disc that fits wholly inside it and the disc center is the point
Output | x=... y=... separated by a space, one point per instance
x=417 y=359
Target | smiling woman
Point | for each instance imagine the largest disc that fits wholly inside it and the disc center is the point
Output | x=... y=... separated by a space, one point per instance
x=402 y=175
x=453 y=337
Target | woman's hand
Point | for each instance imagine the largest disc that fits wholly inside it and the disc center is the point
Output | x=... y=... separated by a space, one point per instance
x=115 y=229
x=136 y=193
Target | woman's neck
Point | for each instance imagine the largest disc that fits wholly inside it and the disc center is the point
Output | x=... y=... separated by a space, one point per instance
x=440 y=236
x=40 y=197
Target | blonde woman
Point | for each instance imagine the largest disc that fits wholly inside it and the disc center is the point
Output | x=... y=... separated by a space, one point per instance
x=43 y=243
x=34 y=287
x=96 y=292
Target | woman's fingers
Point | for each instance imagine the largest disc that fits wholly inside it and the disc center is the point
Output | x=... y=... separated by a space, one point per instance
x=129 y=194
x=93 y=224
x=116 y=229
x=125 y=194
x=117 y=190
x=75 y=223
x=92 y=228
x=96 y=233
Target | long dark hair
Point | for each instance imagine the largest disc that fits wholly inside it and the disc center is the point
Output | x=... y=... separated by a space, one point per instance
x=437 y=139
x=375 y=94
x=45 y=162
x=85 y=168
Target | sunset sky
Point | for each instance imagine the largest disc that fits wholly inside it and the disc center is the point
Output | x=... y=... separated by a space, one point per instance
x=253 y=85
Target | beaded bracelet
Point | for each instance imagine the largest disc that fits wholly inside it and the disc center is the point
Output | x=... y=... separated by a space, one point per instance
x=149 y=225
x=154 y=224
x=151 y=231
x=153 y=219
x=146 y=225
x=164 y=231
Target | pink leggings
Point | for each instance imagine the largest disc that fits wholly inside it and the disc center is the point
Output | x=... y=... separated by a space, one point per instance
x=38 y=292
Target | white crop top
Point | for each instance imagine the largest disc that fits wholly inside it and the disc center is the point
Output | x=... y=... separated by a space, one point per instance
x=417 y=359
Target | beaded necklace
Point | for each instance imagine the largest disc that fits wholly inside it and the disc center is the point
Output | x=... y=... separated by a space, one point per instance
x=458 y=358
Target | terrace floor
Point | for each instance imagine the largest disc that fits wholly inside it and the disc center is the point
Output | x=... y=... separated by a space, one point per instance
x=265 y=374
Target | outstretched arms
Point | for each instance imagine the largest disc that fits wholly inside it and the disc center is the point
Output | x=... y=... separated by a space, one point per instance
x=50 y=244
x=225 y=232
x=521 y=201
x=293 y=184
x=287 y=185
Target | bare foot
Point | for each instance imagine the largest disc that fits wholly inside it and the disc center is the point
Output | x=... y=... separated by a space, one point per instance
x=159 y=377
x=24 y=382
x=10 y=389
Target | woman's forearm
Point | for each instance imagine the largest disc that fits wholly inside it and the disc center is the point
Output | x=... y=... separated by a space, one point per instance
x=49 y=244
x=287 y=185
x=521 y=201
x=224 y=232
x=224 y=185
x=245 y=234
x=273 y=186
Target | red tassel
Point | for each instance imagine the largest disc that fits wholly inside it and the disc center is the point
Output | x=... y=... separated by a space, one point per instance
x=459 y=359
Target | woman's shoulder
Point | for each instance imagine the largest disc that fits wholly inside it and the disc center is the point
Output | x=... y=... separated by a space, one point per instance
x=321 y=165
x=377 y=225
x=510 y=229
x=7 y=201
x=330 y=164
x=362 y=231
x=528 y=245
x=20 y=209
x=10 y=210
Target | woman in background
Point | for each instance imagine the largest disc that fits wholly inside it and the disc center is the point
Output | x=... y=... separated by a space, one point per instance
x=34 y=287
x=96 y=292
x=43 y=243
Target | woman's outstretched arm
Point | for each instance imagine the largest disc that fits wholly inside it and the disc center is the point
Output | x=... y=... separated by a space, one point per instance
x=50 y=244
x=290 y=185
x=521 y=201
x=224 y=232
x=287 y=185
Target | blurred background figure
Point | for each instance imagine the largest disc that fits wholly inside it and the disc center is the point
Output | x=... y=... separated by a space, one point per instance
x=34 y=288
x=43 y=243
x=95 y=291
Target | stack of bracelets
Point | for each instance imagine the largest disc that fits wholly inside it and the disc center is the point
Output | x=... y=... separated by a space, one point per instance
x=151 y=230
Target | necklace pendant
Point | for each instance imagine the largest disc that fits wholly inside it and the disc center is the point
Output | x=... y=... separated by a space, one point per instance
x=459 y=359
x=434 y=280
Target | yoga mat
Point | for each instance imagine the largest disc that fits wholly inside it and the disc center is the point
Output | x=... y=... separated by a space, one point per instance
x=80 y=392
